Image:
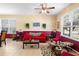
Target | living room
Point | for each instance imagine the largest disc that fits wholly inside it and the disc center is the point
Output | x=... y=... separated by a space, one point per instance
x=35 y=25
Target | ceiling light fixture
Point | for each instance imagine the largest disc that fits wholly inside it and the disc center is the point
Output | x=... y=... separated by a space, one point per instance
x=44 y=8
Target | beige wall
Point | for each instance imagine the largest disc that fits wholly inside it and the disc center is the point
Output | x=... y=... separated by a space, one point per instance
x=22 y=20
x=66 y=10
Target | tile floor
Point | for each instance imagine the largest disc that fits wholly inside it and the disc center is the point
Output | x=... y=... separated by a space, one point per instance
x=14 y=48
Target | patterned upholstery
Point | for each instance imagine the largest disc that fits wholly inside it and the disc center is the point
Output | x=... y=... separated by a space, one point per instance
x=47 y=51
x=66 y=54
x=57 y=38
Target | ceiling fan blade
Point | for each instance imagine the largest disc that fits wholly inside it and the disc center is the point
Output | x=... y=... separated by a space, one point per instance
x=41 y=5
x=37 y=8
x=47 y=11
x=40 y=12
x=51 y=8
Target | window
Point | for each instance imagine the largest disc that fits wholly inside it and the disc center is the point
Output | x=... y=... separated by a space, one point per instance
x=4 y=24
x=75 y=23
x=66 y=31
x=66 y=25
x=8 y=25
x=70 y=24
x=12 y=26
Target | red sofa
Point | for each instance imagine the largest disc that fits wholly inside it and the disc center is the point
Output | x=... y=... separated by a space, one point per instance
x=57 y=38
x=42 y=37
x=66 y=54
x=28 y=36
x=75 y=43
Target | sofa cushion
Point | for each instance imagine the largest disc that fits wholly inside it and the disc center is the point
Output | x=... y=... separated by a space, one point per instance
x=26 y=36
x=66 y=54
x=35 y=33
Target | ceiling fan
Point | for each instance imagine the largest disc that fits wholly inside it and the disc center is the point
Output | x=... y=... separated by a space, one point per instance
x=44 y=8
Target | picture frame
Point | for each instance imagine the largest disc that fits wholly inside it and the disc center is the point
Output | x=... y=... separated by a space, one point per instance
x=44 y=25
x=36 y=24
x=27 y=25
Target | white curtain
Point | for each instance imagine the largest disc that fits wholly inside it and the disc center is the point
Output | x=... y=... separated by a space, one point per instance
x=8 y=25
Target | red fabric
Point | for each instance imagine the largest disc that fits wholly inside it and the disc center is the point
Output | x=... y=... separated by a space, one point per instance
x=26 y=36
x=75 y=43
x=41 y=38
x=57 y=38
x=66 y=54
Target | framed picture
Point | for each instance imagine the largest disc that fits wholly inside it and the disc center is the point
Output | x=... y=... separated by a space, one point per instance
x=36 y=24
x=44 y=25
x=27 y=25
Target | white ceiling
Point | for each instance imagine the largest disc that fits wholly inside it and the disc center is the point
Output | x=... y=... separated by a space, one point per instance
x=28 y=8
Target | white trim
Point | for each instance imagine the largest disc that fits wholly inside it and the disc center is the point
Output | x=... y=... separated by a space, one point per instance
x=69 y=37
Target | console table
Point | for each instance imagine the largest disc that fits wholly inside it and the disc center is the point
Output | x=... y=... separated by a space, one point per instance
x=30 y=43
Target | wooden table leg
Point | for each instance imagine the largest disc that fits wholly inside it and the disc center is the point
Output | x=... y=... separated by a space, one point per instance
x=23 y=45
x=0 y=43
x=38 y=45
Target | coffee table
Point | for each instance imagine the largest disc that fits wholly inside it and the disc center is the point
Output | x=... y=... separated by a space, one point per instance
x=36 y=42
